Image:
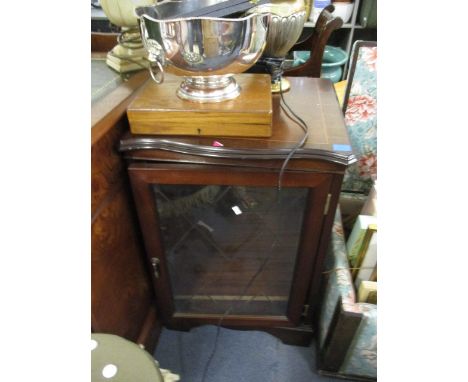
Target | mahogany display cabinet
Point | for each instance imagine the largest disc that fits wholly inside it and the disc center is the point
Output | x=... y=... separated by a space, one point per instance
x=227 y=241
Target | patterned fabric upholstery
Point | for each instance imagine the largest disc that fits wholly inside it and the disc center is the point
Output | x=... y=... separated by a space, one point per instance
x=361 y=357
x=361 y=118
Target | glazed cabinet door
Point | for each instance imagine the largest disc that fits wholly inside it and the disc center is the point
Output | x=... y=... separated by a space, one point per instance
x=226 y=242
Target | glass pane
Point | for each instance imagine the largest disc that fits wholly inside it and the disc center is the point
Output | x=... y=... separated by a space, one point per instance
x=230 y=249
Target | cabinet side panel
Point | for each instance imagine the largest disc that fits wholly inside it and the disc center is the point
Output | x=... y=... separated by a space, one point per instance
x=315 y=293
x=107 y=167
x=121 y=293
x=311 y=230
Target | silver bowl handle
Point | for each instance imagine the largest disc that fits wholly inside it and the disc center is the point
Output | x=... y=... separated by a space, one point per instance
x=157 y=77
x=155 y=53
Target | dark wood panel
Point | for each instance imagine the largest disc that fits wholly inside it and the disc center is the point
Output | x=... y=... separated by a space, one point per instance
x=195 y=174
x=103 y=42
x=339 y=337
x=149 y=226
x=294 y=164
x=311 y=230
x=122 y=299
x=120 y=296
x=186 y=321
x=315 y=285
x=149 y=333
x=108 y=168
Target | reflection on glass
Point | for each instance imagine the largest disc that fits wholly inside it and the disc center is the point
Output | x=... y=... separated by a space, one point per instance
x=230 y=249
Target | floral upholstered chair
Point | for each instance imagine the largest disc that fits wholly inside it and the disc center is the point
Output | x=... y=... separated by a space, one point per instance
x=360 y=111
x=348 y=329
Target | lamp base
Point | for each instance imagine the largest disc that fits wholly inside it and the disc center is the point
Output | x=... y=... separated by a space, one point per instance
x=124 y=60
x=274 y=66
x=129 y=55
x=285 y=86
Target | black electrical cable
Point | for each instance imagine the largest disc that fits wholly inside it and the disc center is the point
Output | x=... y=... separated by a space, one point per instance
x=298 y=145
x=277 y=201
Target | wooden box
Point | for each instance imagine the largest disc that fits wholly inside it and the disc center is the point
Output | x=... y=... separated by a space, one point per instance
x=157 y=110
x=214 y=222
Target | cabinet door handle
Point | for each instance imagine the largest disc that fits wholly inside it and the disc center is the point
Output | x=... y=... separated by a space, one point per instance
x=155 y=264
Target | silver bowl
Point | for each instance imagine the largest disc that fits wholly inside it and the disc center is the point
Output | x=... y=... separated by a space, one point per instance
x=206 y=51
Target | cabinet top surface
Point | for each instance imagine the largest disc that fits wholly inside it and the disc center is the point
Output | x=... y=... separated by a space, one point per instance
x=312 y=99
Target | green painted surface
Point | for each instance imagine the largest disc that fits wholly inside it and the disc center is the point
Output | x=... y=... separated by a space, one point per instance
x=103 y=79
x=114 y=358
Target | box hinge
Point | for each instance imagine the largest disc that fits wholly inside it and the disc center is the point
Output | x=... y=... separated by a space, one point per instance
x=327 y=204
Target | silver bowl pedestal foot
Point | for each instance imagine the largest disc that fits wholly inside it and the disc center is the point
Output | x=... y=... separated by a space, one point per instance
x=209 y=89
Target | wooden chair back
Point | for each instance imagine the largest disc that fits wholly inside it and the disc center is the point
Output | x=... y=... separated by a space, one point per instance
x=315 y=43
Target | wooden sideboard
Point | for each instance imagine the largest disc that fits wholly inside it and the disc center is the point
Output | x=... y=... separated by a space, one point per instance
x=122 y=299
x=219 y=247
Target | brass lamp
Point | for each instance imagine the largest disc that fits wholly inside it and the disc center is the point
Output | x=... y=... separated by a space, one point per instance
x=285 y=28
x=129 y=54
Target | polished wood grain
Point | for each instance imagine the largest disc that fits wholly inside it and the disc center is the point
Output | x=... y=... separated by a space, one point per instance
x=157 y=110
x=120 y=293
x=168 y=156
x=122 y=299
x=312 y=99
x=107 y=166
x=103 y=42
